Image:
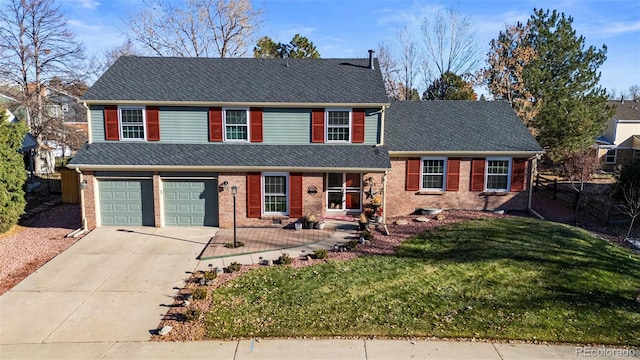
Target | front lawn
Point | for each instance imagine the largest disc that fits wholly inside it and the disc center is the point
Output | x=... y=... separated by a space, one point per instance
x=509 y=278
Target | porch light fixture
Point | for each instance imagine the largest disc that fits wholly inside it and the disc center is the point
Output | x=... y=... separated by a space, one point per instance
x=234 y=191
x=83 y=185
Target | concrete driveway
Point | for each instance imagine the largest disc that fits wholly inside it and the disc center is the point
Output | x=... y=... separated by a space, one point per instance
x=112 y=285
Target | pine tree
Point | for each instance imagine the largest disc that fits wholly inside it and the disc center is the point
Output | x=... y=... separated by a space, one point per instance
x=449 y=87
x=298 y=48
x=563 y=80
x=12 y=172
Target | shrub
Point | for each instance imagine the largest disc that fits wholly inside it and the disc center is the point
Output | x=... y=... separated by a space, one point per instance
x=12 y=174
x=367 y=235
x=351 y=244
x=234 y=266
x=285 y=259
x=210 y=275
x=320 y=253
x=199 y=293
x=192 y=314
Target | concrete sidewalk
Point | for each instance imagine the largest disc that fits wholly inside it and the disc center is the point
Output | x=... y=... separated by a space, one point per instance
x=310 y=349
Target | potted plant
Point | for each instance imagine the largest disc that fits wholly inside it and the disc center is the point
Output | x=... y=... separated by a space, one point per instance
x=310 y=221
x=362 y=221
x=320 y=225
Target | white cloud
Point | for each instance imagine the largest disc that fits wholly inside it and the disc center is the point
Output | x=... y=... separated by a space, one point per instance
x=82 y=25
x=85 y=4
x=619 y=28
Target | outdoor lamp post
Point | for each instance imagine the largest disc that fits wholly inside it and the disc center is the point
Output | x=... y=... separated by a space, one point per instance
x=234 y=191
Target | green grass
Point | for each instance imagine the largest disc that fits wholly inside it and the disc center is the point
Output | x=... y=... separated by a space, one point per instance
x=513 y=278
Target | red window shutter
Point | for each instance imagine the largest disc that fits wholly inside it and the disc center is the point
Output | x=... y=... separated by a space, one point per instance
x=518 y=174
x=153 y=123
x=453 y=174
x=215 y=124
x=256 y=125
x=254 y=195
x=413 y=175
x=357 y=126
x=477 y=174
x=317 y=125
x=295 y=195
x=111 y=128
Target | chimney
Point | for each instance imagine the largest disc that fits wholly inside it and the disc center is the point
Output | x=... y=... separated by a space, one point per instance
x=371 y=59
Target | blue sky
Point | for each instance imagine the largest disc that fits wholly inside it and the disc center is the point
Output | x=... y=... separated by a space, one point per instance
x=347 y=28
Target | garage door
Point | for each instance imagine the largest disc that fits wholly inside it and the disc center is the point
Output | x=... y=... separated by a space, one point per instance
x=190 y=203
x=126 y=202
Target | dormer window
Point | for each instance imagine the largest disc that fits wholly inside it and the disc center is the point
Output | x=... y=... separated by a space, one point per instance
x=236 y=124
x=132 y=123
x=338 y=125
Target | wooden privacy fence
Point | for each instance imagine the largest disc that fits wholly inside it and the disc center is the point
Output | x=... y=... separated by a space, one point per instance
x=70 y=186
x=606 y=211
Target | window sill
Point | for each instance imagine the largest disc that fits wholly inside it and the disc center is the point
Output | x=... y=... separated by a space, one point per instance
x=430 y=192
x=495 y=193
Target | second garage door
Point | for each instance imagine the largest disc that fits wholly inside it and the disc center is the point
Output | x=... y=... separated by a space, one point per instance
x=190 y=203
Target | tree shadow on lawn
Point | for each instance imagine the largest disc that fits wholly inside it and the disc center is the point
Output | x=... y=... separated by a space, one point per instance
x=570 y=265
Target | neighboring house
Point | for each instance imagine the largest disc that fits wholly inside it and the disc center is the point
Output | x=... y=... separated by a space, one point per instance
x=72 y=117
x=169 y=138
x=620 y=143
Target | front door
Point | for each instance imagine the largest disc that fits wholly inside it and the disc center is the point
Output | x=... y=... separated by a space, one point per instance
x=344 y=192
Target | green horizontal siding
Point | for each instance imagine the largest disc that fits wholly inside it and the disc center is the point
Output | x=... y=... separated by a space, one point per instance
x=97 y=124
x=286 y=126
x=371 y=126
x=184 y=125
x=187 y=125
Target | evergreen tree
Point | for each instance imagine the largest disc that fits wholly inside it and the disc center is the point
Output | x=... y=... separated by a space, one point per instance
x=266 y=48
x=563 y=80
x=449 y=87
x=298 y=48
x=12 y=172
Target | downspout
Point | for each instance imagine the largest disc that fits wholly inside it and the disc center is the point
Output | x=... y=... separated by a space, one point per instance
x=533 y=166
x=384 y=197
x=381 y=142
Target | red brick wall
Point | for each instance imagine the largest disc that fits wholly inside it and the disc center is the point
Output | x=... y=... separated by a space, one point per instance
x=89 y=199
x=401 y=202
x=311 y=204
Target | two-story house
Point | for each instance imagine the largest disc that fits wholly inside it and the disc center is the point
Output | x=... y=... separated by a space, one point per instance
x=620 y=143
x=172 y=139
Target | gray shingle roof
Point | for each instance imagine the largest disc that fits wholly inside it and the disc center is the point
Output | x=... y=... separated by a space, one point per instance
x=244 y=80
x=627 y=110
x=455 y=126
x=328 y=157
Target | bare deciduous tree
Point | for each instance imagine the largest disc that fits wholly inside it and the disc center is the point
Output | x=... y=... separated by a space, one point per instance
x=389 y=69
x=100 y=63
x=36 y=46
x=579 y=168
x=408 y=62
x=450 y=44
x=631 y=205
x=195 y=28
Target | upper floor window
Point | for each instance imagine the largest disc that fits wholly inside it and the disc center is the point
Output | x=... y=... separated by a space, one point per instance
x=498 y=174
x=236 y=124
x=132 y=123
x=433 y=172
x=338 y=125
x=610 y=157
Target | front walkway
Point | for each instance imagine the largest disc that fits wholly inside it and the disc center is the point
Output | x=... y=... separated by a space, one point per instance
x=268 y=243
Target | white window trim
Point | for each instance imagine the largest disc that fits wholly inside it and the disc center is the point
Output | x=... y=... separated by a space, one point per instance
x=224 y=125
x=615 y=156
x=326 y=125
x=144 y=122
x=486 y=174
x=444 y=173
x=264 y=193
